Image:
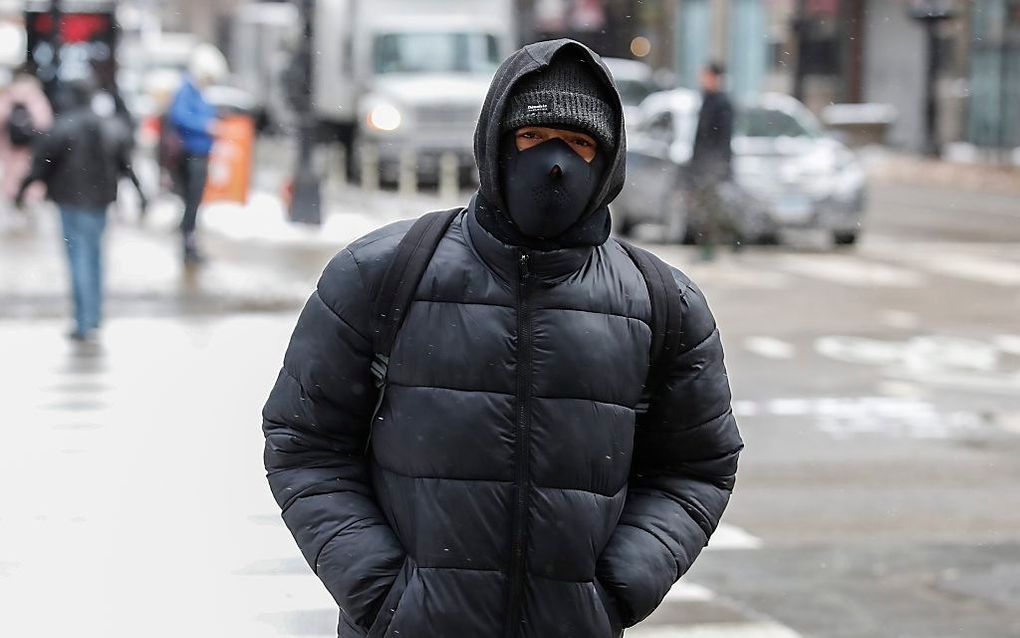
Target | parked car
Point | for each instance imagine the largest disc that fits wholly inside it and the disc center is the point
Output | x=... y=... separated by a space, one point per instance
x=787 y=172
x=635 y=80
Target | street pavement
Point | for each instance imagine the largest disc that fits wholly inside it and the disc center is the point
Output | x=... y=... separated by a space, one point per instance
x=878 y=390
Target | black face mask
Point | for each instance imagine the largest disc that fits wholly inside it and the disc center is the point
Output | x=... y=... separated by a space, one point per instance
x=548 y=187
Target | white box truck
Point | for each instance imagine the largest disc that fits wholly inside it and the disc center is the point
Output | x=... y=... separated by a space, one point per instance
x=404 y=76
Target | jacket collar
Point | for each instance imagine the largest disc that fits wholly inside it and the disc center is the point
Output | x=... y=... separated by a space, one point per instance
x=549 y=266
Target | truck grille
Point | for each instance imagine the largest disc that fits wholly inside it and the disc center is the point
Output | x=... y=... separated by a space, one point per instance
x=456 y=116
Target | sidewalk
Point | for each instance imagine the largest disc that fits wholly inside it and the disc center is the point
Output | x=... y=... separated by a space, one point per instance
x=258 y=259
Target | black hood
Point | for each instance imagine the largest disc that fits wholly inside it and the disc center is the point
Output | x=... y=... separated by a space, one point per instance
x=593 y=227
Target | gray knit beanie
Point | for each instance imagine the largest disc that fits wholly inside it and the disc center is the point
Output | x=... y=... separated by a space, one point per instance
x=566 y=93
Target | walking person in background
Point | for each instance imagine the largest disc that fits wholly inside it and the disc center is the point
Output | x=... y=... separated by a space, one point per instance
x=498 y=420
x=195 y=121
x=25 y=112
x=712 y=164
x=81 y=160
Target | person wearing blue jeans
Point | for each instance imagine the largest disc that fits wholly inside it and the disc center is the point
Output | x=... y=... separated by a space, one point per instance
x=83 y=238
x=81 y=160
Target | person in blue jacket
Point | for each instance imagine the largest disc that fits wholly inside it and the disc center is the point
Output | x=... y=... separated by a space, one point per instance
x=195 y=121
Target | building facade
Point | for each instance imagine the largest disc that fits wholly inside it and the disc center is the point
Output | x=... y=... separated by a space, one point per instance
x=876 y=51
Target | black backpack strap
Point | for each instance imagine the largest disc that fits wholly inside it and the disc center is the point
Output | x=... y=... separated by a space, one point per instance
x=396 y=291
x=666 y=316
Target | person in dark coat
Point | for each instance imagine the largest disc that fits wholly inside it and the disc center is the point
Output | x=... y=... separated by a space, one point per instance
x=81 y=160
x=712 y=163
x=506 y=482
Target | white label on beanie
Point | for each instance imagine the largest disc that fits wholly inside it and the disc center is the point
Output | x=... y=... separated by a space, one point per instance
x=538 y=108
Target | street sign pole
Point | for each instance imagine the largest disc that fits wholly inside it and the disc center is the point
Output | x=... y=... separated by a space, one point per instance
x=930 y=14
x=306 y=203
x=51 y=76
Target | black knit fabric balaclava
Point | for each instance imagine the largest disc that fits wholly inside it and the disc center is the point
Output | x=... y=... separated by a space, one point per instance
x=547 y=188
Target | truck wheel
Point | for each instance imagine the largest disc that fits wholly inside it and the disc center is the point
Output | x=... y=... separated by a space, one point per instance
x=346 y=136
x=844 y=237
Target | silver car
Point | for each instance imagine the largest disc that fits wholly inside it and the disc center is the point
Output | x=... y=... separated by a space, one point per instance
x=787 y=172
x=635 y=81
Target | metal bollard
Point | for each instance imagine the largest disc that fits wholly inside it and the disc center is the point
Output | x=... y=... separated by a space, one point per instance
x=449 y=180
x=369 y=167
x=407 y=179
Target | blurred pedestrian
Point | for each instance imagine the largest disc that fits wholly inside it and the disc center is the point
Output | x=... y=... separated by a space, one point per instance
x=712 y=164
x=195 y=121
x=81 y=160
x=25 y=112
x=497 y=420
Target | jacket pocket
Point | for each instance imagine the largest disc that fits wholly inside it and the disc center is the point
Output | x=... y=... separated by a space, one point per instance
x=609 y=605
x=389 y=606
x=347 y=629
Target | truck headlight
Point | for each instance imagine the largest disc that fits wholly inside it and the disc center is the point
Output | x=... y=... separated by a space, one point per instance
x=384 y=117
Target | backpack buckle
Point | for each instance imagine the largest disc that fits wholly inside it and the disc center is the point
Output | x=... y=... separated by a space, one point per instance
x=380 y=364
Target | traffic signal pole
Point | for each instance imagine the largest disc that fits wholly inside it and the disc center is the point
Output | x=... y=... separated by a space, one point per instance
x=306 y=203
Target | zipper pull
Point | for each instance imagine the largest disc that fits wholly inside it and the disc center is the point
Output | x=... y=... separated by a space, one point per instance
x=524 y=265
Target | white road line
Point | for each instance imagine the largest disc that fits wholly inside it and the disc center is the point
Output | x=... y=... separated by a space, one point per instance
x=738 y=276
x=849 y=271
x=899 y=319
x=770 y=347
x=731 y=537
x=682 y=592
x=906 y=417
x=979 y=269
x=715 y=630
x=1009 y=421
x=1008 y=343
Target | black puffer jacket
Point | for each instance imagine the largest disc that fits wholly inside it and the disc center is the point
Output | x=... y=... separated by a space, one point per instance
x=82 y=158
x=509 y=488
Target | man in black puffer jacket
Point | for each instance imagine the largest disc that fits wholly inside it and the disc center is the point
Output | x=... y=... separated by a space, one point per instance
x=506 y=482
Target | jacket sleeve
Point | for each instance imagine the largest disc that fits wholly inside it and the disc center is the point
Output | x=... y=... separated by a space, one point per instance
x=724 y=128
x=316 y=424
x=186 y=112
x=47 y=152
x=682 y=473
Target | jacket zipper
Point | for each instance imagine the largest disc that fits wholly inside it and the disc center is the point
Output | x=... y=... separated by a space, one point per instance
x=523 y=449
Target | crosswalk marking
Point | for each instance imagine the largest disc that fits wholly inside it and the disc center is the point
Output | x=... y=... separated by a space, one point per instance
x=1008 y=343
x=684 y=591
x=972 y=268
x=730 y=537
x=770 y=347
x=878 y=266
x=849 y=271
x=899 y=319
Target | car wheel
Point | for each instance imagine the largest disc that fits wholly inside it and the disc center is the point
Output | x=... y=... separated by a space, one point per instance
x=844 y=237
x=674 y=214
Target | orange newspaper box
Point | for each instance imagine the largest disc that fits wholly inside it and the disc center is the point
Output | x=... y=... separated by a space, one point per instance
x=230 y=161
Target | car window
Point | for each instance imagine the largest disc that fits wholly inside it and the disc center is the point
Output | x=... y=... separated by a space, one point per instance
x=436 y=53
x=659 y=126
x=762 y=122
x=632 y=92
